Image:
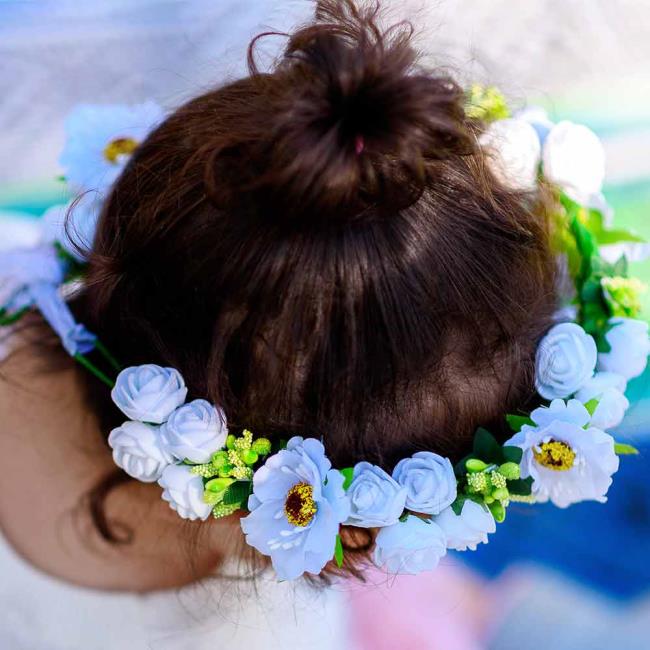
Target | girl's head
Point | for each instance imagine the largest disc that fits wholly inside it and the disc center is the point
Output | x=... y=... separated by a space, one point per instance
x=321 y=250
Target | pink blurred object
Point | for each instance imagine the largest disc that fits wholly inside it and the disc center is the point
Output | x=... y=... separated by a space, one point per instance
x=449 y=609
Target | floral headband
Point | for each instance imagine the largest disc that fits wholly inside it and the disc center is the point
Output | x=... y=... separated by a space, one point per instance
x=296 y=501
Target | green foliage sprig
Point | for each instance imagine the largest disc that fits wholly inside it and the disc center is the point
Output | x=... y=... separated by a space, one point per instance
x=490 y=476
x=603 y=289
x=228 y=476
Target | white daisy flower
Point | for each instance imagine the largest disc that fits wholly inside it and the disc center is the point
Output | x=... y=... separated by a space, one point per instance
x=100 y=141
x=568 y=462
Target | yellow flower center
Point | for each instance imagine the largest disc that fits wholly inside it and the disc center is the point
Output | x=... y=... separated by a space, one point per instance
x=119 y=147
x=300 y=506
x=555 y=455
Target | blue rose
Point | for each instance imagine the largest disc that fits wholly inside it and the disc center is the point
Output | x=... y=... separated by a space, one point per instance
x=376 y=499
x=297 y=505
x=195 y=431
x=149 y=393
x=429 y=481
x=411 y=546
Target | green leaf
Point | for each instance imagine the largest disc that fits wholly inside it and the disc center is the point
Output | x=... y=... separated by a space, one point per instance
x=348 y=473
x=237 y=494
x=584 y=239
x=621 y=267
x=624 y=450
x=513 y=454
x=592 y=405
x=486 y=448
x=457 y=505
x=460 y=468
x=606 y=237
x=522 y=487
x=516 y=422
x=338 y=552
x=10 y=318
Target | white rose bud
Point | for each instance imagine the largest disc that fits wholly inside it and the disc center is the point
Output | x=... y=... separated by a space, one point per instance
x=410 y=547
x=609 y=389
x=468 y=529
x=429 y=481
x=184 y=492
x=630 y=346
x=376 y=499
x=574 y=158
x=566 y=358
x=138 y=450
x=195 y=431
x=513 y=151
x=149 y=393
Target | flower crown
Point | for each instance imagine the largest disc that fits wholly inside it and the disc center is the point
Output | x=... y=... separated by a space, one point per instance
x=296 y=501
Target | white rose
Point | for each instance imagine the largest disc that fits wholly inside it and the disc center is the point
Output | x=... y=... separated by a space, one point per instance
x=468 y=529
x=376 y=499
x=566 y=358
x=195 y=431
x=149 y=393
x=138 y=450
x=574 y=158
x=184 y=492
x=609 y=389
x=429 y=480
x=410 y=547
x=538 y=118
x=628 y=339
x=513 y=151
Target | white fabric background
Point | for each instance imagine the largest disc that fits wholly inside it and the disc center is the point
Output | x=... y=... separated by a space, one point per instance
x=56 y=53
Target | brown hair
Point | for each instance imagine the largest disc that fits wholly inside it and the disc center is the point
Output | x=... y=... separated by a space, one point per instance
x=322 y=251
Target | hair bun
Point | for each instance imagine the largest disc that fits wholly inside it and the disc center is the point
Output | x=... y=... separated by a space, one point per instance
x=350 y=122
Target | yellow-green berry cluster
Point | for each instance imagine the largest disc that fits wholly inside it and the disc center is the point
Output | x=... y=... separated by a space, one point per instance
x=224 y=510
x=227 y=477
x=623 y=295
x=237 y=459
x=486 y=103
x=490 y=483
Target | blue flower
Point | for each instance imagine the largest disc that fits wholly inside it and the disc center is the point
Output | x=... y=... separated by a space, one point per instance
x=411 y=546
x=376 y=499
x=297 y=505
x=149 y=393
x=429 y=481
x=101 y=139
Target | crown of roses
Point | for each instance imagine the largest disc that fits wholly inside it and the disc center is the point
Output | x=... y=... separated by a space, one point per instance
x=296 y=501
